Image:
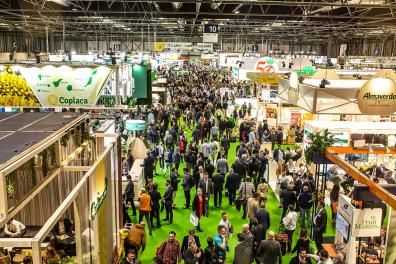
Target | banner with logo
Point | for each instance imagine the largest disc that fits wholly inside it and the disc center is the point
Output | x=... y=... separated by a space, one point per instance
x=55 y=86
x=367 y=222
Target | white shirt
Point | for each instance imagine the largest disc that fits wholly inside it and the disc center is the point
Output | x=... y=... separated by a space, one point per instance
x=290 y=220
x=226 y=224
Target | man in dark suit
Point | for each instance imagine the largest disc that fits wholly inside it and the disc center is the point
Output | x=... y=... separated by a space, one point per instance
x=218 y=184
x=263 y=217
x=269 y=251
x=319 y=225
x=206 y=185
x=233 y=182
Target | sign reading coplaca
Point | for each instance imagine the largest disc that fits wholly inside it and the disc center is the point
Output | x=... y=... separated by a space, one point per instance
x=65 y=85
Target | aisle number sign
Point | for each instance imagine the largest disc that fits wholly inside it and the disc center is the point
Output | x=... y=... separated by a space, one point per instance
x=210 y=33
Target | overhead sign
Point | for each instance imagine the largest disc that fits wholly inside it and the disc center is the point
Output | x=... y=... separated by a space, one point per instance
x=210 y=38
x=378 y=96
x=211 y=28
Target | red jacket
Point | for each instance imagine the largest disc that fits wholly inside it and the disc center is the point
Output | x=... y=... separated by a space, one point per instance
x=199 y=207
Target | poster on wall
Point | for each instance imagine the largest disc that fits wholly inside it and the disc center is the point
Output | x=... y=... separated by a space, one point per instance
x=14 y=89
x=58 y=85
x=367 y=222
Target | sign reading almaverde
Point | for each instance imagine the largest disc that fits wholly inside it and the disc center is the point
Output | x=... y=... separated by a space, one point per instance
x=377 y=96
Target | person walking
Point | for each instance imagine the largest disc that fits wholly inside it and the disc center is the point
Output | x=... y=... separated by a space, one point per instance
x=189 y=239
x=199 y=207
x=129 y=195
x=168 y=202
x=288 y=198
x=169 y=252
x=206 y=186
x=136 y=238
x=145 y=208
x=304 y=201
x=218 y=185
x=263 y=219
x=188 y=183
x=303 y=242
x=245 y=191
x=319 y=225
x=290 y=224
x=269 y=251
x=243 y=251
x=155 y=205
x=221 y=244
x=210 y=254
x=233 y=182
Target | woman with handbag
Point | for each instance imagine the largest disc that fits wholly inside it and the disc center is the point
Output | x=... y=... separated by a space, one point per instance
x=199 y=206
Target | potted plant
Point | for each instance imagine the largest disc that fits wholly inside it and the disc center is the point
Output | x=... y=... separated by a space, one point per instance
x=320 y=141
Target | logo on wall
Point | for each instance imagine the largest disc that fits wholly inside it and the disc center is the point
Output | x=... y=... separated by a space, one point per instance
x=266 y=65
x=377 y=96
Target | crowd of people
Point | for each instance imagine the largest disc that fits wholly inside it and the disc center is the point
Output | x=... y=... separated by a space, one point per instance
x=199 y=107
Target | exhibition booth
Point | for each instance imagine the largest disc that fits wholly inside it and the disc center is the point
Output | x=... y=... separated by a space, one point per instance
x=62 y=184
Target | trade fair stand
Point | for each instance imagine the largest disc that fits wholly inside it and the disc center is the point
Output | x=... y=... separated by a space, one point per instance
x=80 y=187
x=360 y=219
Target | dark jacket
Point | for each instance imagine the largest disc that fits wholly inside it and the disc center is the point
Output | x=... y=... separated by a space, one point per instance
x=243 y=253
x=320 y=221
x=185 y=243
x=304 y=200
x=168 y=196
x=239 y=168
x=155 y=199
x=129 y=194
x=263 y=218
x=210 y=255
x=259 y=233
x=233 y=182
x=269 y=252
x=206 y=191
x=218 y=181
x=288 y=198
x=301 y=244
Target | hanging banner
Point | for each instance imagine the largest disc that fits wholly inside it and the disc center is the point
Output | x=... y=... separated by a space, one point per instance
x=61 y=85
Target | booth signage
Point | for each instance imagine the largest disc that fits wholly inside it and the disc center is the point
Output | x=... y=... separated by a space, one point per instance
x=367 y=222
x=135 y=125
x=345 y=208
x=64 y=85
x=211 y=28
x=95 y=206
x=264 y=78
x=377 y=96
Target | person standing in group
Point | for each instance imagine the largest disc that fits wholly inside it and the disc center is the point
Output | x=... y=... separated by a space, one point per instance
x=218 y=185
x=206 y=186
x=301 y=258
x=232 y=184
x=252 y=206
x=210 y=254
x=269 y=251
x=155 y=205
x=145 y=208
x=188 y=183
x=199 y=206
x=288 y=198
x=263 y=223
x=225 y=221
x=303 y=242
x=168 y=202
x=304 y=201
x=169 y=252
x=190 y=238
x=290 y=224
x=131 y=257
x=319 y=225
x=221 y=244
x=245 y=191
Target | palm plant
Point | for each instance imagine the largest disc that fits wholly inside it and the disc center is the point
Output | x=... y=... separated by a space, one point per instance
x=319 y=142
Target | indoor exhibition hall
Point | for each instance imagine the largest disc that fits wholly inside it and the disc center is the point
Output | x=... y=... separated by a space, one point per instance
x=197 y=132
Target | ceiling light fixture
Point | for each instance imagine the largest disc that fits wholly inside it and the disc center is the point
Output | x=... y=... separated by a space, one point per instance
x=236 y=9
x=59 y=2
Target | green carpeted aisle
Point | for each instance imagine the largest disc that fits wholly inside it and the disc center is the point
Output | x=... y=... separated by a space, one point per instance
x=181 y=222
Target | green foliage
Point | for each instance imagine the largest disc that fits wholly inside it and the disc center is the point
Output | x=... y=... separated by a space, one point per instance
x=319 y=142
